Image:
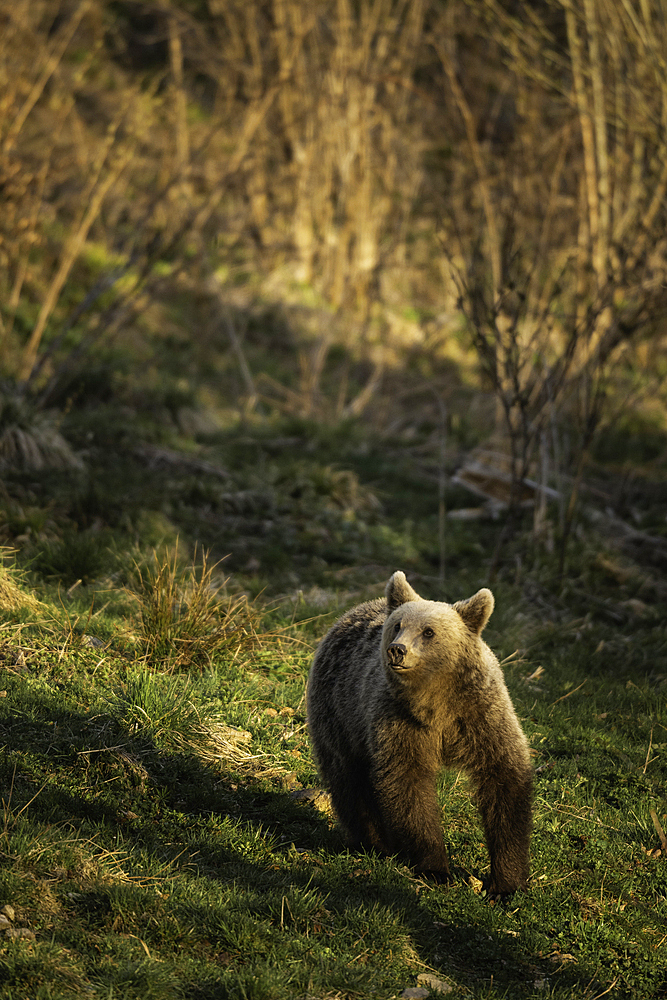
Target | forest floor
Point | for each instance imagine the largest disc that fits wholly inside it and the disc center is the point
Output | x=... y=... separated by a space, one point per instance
x=163 y=835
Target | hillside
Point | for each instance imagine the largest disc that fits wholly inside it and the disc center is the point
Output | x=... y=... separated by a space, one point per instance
x=163 y=832
x=277 y=288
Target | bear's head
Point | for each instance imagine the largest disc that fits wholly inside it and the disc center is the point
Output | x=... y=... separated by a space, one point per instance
x=423 y=636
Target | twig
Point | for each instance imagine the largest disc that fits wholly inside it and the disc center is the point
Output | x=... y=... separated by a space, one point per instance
x=563 y=878
x=648 y=752
x=515 y=657
x=608 y=990
x=573 y=691
x=142 y=943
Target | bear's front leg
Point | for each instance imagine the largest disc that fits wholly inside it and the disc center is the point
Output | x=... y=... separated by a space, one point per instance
x=411 y=821
x=505 y=804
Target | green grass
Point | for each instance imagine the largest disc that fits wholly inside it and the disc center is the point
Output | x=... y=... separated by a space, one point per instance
x=152 y=841
x=153 y=744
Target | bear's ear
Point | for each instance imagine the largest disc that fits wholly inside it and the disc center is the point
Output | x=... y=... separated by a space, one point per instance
x=476 y=611
x=398 y=591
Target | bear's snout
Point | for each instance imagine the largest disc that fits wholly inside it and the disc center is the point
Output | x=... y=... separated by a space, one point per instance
x=396 y=653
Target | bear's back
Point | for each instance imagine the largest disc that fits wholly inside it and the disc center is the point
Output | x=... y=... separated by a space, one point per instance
x=354 y=636
x=346 y=676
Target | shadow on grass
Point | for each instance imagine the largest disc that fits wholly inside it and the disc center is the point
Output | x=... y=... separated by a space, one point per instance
x=246 y=892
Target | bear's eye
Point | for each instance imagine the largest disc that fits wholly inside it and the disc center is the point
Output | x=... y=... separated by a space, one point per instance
x=428 y=632
x=397 y=627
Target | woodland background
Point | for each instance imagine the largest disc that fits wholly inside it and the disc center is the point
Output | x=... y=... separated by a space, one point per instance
x=438 y=217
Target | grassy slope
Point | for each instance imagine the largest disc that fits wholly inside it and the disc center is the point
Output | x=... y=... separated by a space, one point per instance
x=147 y=866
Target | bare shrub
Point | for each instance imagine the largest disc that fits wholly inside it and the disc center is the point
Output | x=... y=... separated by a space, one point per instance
x=556 y=234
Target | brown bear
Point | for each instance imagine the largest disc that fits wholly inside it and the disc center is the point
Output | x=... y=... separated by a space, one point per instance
x=400 y=688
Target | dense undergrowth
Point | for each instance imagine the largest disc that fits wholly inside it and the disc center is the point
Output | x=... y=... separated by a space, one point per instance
x=161 y=834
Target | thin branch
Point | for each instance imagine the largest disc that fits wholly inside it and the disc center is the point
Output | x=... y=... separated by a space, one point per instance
x=42 y=80
x=70 y=254
x=587 y=135
x=480 y=165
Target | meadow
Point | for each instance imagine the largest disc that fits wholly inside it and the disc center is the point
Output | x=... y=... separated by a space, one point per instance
x=163 y=832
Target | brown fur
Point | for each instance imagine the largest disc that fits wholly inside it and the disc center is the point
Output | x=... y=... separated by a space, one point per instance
x=390 y=704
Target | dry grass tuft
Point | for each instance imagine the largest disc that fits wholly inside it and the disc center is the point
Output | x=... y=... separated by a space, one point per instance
x=214 y=742
x=12 y=596
x=184 y=619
